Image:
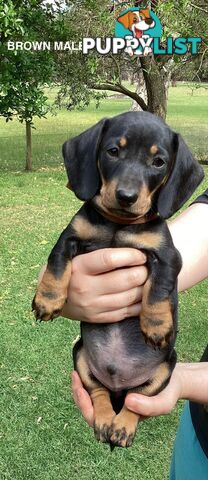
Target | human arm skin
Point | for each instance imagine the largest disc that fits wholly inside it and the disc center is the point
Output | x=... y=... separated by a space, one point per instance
x=190 y=236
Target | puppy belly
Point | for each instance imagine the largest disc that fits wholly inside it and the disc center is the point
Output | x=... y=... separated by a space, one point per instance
x=118 y=355
x=118 y=379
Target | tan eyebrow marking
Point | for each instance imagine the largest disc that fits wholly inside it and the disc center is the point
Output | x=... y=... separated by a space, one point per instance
x=153 y=149
x=122 y=142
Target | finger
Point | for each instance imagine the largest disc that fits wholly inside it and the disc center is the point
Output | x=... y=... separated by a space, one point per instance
x=117 y=315
x=121 y=280
x=82 y=399
x=76 y=381
x=108 y=259
x=84 y=404
x=102 y=317
x=119 y=300
x=160 y=404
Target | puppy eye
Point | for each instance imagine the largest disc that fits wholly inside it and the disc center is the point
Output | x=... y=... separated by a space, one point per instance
x=113 y=152
x=158 y=163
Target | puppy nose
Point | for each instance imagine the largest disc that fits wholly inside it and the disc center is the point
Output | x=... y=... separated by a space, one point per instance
x=126 y=197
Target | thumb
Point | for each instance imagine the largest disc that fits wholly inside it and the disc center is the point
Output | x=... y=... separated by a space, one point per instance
x=160 y=404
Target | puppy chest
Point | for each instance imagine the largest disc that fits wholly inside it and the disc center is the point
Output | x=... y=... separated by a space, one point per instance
x=96 y=235
x=137 y=238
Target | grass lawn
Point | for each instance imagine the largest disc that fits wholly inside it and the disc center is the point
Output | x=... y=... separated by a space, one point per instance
x=42 y=434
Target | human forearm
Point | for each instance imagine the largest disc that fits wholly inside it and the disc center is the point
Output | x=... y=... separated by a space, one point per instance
x=190 y=236
x=194 y=381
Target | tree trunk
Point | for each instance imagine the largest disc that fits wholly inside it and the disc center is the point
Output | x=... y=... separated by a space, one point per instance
x=155 y=85
x=28 y=166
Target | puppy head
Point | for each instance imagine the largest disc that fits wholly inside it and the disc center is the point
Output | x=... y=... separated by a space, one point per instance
x=130 y=163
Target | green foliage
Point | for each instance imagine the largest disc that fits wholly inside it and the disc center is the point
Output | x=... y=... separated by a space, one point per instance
x=187 y=19
x=10 y=23
x=22 y=79
x=28 y=103
x=24 y=74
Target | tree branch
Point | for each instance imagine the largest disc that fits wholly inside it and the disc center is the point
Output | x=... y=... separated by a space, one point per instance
x=199 y=8
x=201 y=63
x=121 y=89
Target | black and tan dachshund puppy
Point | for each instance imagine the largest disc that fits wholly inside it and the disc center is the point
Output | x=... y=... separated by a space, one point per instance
x=133 y=172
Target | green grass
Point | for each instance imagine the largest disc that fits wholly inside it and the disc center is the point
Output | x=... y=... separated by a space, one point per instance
x=42 y=434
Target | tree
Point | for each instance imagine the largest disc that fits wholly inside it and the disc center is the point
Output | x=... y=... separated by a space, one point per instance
x=22 y=93
x=24 y=74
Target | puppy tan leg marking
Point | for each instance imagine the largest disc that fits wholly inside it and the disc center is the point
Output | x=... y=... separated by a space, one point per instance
x=156 y=319
x=125 y=423
x=155 y=385
x=51 y=294
x=104 y=414
x=100 y=397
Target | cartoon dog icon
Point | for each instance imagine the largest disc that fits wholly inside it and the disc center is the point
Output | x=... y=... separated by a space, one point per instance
x=137 y=21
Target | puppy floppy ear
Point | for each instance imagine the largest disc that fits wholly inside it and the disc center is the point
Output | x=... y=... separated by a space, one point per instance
x=125 y=20
x=80 y=158
x=185 y=177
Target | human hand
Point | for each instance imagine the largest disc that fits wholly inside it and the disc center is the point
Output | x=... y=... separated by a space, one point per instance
x=82 y=399
x=106 y=285
x=159 y=404
x=189 y=381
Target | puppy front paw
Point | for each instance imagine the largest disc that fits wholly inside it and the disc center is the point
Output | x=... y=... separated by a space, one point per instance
x=47 y=305
x=157 y=335
x=156 y=324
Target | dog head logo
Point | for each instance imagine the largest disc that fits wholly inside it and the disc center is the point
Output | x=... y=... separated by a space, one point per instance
x=138 y=23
